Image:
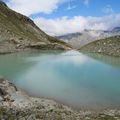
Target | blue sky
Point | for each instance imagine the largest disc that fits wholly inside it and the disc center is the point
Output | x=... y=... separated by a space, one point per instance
x=94 y=8
x=58 y=17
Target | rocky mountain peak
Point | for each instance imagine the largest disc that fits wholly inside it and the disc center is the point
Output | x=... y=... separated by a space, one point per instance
x=2 y=3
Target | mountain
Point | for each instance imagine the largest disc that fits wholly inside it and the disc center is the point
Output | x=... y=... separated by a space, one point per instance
x=18 y=32
x=116 y=30
x=67 y=37
x=78 y=40
x=109 y=46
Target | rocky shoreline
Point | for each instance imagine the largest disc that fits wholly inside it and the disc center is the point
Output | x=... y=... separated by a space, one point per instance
x=8 y=48
x=15 y=104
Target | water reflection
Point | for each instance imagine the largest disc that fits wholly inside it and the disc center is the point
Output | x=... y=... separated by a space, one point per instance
x=114 y=61
x=70 y=77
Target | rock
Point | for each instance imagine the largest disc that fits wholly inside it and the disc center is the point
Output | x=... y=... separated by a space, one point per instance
x=21 y=100
x=100 y=50
x=2 y=92
x=1 y=79
x=1 y=99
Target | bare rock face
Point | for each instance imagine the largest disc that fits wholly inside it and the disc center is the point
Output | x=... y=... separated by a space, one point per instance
x=10 y=96
x=6 y=87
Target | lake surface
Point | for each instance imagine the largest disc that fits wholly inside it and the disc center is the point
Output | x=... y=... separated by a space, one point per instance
x=73 y=78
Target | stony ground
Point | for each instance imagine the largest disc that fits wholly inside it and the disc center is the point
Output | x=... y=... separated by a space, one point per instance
x=17 y=105
x=53 y=114
x=109 y=46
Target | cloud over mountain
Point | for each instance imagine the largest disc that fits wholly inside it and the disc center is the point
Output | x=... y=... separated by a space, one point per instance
x=58 y=25
x=65 y=25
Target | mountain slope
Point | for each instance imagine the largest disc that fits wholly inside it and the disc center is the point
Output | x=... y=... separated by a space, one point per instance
x=116 y=30
x=109 y=46
x=67 y=37
x=78 y=40
x=19 y=32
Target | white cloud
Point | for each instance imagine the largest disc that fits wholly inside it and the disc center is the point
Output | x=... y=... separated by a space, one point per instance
x=29 y=7
x=61 y=25
x=65 y=25
x=108 y=9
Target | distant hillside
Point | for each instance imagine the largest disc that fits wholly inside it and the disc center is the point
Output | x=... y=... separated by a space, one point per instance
x=78 y=40
x=116 y=30
x=18 y=32
x=67 y=37
x=109 y=46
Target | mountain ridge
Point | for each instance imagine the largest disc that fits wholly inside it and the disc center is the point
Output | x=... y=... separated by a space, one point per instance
x=80 y=39
x=18 y=32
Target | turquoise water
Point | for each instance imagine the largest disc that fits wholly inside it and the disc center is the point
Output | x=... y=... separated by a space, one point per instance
x=73 y=78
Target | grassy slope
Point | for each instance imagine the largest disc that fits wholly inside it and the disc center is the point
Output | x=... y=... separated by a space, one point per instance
x=17 y=23
x=109 y=46
x=16 y=26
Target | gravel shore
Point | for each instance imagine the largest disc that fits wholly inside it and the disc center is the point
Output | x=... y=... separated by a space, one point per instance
x=15 y=104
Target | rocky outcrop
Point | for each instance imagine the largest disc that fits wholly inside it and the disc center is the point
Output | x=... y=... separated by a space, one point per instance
x=109 y=46
x=17 y=105
x=52 y=46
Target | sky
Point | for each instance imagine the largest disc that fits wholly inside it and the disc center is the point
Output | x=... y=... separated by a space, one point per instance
x=58 y=17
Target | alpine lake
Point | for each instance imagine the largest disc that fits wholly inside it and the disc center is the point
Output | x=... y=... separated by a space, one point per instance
x=79 y=80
